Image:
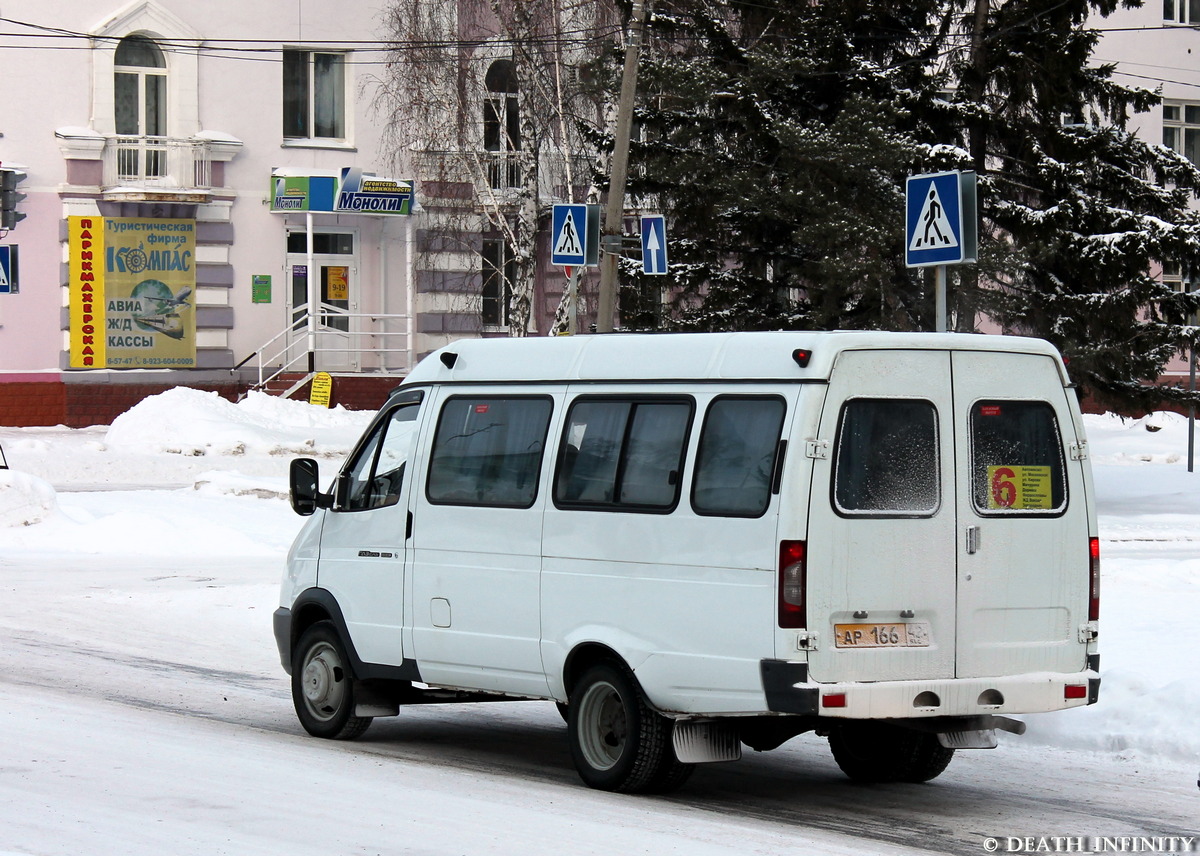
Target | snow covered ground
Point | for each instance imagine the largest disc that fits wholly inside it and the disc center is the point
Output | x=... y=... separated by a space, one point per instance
x=138 y=557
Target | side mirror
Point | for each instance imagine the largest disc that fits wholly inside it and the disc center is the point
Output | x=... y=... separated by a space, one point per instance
x=305 y=496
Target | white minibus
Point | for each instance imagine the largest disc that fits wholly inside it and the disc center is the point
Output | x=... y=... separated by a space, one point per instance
x=698 y=542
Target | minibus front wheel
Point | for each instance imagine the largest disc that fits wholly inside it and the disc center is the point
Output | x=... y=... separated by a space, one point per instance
x=323 y=686
x=618 y=743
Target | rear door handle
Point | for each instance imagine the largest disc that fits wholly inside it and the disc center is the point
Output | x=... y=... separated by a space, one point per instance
x=972 y=540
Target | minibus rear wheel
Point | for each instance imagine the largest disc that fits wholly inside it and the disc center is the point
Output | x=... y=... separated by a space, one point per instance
x=618 y=743
x=877 y=752
x=323 y=686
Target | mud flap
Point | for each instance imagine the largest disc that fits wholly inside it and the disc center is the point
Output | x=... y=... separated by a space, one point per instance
x=978 y=739
x=704 y=742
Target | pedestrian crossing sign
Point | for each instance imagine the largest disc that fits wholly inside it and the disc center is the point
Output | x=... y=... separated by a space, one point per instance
x=569 y=235
x=940 y=220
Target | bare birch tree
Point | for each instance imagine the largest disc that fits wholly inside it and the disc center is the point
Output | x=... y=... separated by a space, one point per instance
x=489 y=103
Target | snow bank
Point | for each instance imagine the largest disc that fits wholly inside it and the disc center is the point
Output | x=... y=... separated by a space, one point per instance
x=1158 y=438
x=25 y=499
x=187 y=421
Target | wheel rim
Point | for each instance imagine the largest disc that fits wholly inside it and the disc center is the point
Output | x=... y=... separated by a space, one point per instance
x=603 y=726
x=323 y=680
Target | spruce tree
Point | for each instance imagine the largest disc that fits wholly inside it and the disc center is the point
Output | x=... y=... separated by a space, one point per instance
x=1078 y=213
x=777 y=136
x=773 y=139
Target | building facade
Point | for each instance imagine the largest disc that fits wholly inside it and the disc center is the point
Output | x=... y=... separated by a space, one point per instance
x=195 y=178
x=1157 y=47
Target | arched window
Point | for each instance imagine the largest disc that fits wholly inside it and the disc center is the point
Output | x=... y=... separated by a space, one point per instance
x=502 y=123
x=140 y=88
x=140 y=107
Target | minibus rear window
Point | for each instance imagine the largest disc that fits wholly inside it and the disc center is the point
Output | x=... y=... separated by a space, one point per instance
x=488 y=451
x=1016 y=459
x=736 y=459
x=886 y=462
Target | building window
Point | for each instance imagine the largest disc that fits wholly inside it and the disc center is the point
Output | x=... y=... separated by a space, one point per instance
x=502 y=125
x=1181 y=129
x=1182 y=11
x=140 y=107
x=314 y=95
x=499 y=272
x=1179 y=280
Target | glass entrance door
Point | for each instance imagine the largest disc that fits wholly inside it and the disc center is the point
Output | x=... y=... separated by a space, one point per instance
x=335 y=269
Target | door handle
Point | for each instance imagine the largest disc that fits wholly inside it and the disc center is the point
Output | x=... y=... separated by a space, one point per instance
x=972 y=540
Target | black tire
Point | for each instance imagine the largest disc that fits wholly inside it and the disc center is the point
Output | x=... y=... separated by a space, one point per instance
x=617 y=742
x=323 y=686
x=877 y=752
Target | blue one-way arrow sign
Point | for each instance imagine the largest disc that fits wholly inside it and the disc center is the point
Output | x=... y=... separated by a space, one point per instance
x=654 y=244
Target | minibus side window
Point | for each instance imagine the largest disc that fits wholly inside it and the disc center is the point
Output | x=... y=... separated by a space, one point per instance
x=736 y=459
x=1016 y=459
x=623 y=454
x=886 y=461
x=375 y=477
x=488 y=451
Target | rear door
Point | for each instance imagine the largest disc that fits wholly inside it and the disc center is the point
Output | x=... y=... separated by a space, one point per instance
x=882 y=530
x=1023 y=533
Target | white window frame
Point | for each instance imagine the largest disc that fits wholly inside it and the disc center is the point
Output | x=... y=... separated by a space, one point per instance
x=312 y=140
x=1181 y=121
x=1186 y=12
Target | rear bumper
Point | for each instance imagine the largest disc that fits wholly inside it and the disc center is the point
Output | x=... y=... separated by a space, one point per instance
x=788 y=690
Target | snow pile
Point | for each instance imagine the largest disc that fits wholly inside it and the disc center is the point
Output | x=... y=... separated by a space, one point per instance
x=1158 y=438
x=187 y=421
x=25 y=499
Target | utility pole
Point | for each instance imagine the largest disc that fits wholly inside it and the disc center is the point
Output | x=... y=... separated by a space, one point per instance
x=614 y=214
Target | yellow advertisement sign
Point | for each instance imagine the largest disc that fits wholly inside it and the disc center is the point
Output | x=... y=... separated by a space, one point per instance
x=1019 y=488
x=85 y=240
x=337 y=282
x=321 y=390
x=143 y=273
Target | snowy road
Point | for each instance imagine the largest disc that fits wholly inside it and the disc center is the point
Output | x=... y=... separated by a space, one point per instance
x=145 y=706
x=144 y=712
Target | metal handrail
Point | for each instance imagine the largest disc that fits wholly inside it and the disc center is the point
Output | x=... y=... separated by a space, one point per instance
x=273 y=363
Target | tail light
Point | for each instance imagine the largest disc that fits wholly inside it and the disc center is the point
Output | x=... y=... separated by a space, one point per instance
x=793 y=580
x=1093 y=579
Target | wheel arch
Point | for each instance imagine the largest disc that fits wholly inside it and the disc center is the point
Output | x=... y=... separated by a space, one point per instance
x=317 y=604
x=583 y=657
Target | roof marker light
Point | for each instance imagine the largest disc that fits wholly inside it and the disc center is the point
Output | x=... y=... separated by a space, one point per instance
x=802 y=356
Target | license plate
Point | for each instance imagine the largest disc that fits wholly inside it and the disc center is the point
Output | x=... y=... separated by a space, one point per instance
x=913 y=634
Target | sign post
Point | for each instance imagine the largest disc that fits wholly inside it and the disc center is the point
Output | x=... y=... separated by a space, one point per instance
x=940 y=227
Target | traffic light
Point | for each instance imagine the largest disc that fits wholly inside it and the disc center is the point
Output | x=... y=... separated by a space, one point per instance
x=10 y=197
